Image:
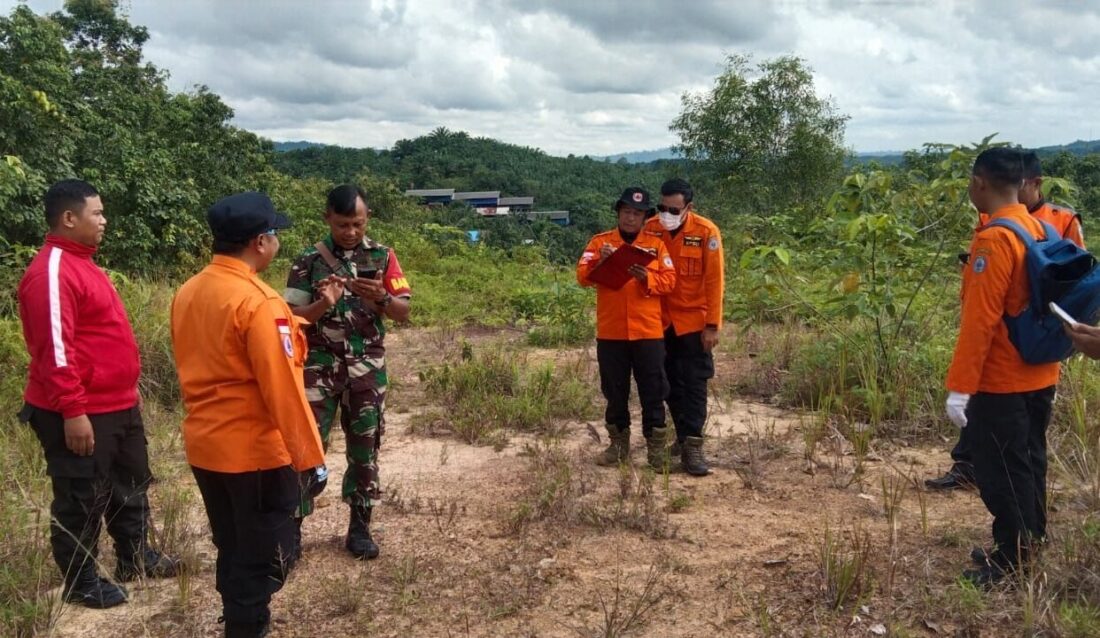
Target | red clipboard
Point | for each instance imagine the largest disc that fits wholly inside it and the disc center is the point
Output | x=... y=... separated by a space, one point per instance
x=613 y=271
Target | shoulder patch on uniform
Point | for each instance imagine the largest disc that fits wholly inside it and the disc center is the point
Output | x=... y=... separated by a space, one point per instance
x=283 y=326
x=979 y=264
x=668 y=261
x=712 y=244
x=693 y=240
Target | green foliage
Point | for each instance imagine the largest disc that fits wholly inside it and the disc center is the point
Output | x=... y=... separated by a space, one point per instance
x=445 y=159
x=843 y=564
x=763 y=134
x=26 y=567
x=877 y=273
x=493 y=391
x=148 y=303
x=85 y=106
x=1078 y=620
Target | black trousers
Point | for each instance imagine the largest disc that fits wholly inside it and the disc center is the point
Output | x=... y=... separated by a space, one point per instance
x=688 y=368
x=961 y=454
x=250 y=516
x=110 y=484
x=1010 y=465
x=645 y=358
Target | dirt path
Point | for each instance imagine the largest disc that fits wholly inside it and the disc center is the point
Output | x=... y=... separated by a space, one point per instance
x=736 y=553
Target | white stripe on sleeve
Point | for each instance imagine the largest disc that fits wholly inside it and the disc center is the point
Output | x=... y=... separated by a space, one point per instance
x=55 y=308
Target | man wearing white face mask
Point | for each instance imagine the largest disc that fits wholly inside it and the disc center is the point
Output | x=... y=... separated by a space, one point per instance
x=692 y=315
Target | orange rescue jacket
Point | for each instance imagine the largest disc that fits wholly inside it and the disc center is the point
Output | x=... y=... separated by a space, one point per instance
x=696 y=249
x=634 y=311
x=995 y=284
x=239 y=355
x=1064 y=219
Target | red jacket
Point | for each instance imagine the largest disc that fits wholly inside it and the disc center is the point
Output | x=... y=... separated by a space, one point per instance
x=84 y=358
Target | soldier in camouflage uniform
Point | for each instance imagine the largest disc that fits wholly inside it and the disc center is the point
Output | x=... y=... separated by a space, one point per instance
x=345 y=286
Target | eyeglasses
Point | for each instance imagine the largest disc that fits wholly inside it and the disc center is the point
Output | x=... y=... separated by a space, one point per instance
x=671 y=210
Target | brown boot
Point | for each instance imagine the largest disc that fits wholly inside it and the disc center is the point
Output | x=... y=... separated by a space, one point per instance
x=618 y=450
x=657 y=450
x=692 y=457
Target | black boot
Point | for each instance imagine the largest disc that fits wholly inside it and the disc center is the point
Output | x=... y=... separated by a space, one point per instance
x=296 y=542
x=254 y=629
x=960 y=476
x=692 y=459
x=359 y=542
x=148 y=563
x=88 y=589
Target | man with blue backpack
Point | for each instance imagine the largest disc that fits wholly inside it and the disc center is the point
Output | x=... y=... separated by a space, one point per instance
x=1000 y=383
x=1068 y=224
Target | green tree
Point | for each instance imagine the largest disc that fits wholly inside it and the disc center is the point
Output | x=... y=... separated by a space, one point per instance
x=763 y=134
x=85 y=105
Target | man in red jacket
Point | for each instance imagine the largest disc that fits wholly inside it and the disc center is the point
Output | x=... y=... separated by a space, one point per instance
x=82 y=401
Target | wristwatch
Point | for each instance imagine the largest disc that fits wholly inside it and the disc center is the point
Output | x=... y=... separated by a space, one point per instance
x=384 y=301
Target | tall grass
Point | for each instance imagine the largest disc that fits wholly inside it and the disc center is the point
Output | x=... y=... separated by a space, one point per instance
x=495 y=390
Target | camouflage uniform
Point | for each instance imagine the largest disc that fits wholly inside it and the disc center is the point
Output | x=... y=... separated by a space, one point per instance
x=346 y=365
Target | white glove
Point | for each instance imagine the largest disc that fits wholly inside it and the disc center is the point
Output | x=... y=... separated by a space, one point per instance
x=956 y=408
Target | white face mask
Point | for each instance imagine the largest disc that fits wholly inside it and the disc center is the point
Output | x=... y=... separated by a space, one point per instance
x=669 y=221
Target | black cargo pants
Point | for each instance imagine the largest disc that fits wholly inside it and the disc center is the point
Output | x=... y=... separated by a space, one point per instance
x=1010 y=465
x=251 y=517
x=688 y=368
x=110 y=484
x=617 y=359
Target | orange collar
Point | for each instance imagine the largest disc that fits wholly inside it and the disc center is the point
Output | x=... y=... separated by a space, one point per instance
x=1012 y=210
x=234 y=264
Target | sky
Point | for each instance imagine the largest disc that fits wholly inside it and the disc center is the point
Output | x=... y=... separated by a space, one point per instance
x=601 y=77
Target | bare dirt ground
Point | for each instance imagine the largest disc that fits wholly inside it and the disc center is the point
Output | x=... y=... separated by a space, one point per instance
x=736 y=553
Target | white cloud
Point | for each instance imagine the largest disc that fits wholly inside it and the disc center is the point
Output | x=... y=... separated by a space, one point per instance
x=605 y=76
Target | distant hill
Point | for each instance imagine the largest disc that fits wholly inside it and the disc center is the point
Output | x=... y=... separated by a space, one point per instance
x=1080 y=147
x=282 y=147
x=450 y=159
x=643 y=157
x=890 y=158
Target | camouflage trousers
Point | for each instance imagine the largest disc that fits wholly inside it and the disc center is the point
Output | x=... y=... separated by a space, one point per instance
x=360 y=410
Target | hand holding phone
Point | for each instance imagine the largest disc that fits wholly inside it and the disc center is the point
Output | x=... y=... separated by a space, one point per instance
x=1062 y=314
x=367 y=273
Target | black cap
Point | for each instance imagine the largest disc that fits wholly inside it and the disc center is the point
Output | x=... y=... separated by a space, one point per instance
x=243 y=216
x=635 y=198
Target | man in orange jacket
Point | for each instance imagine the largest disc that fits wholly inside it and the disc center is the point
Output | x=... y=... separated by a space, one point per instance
x=629 y=331
x=1007 y=402
x=1068 y=224
x=249 y=433
x=1064 y=219
x=692 y=315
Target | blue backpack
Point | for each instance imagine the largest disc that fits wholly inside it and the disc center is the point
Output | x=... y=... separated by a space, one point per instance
x=1058 y=270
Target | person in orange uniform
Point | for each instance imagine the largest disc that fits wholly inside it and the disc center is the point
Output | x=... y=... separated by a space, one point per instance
x=249 y=431
x=692 y=315
x=629 y=331
x=1068 y=224
x=1064 y=219
x=1007 y=402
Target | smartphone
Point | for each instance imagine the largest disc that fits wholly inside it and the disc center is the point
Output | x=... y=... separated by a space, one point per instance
x=1062 y=314
x=367 y=273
